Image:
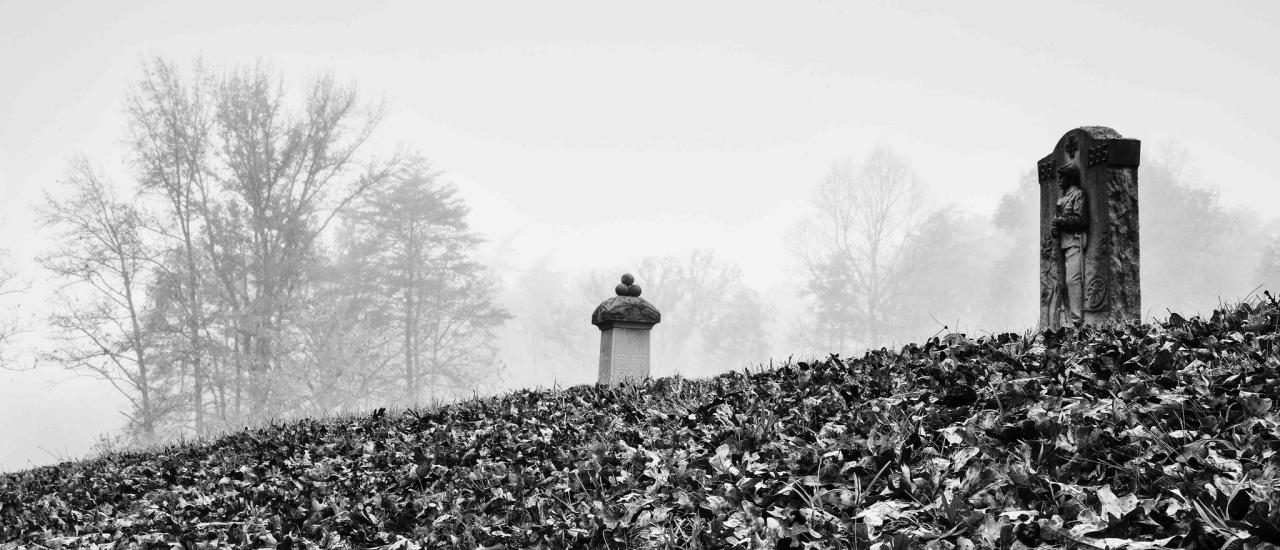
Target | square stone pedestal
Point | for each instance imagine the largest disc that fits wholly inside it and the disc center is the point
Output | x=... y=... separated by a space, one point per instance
x=624 y=352
x=624 y=321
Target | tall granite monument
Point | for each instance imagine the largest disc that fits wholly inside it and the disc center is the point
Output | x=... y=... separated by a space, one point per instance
x=1089 y=229
x=624 y=321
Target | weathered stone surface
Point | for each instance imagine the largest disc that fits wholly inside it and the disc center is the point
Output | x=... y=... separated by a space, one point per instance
x=627 y=286
x=633 y=309
x=1107 y=165
x=625 y=322
x=624 y=354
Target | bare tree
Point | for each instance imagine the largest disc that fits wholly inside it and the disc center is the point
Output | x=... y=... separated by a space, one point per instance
x=1013 y=285
x=105 y=264
x=9 y=287
x=944 y=272
x=550 y=339
x=736 y=336
x=348 y=339
x=416 y=232
x=244 y=285
x=853 y=249
x=288 y=174
x=691 y=292
x=1188 y=235
x=551 y=321
x=170 y=125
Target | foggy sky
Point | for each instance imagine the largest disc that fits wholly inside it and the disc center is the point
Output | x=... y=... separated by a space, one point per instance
x=596 y=134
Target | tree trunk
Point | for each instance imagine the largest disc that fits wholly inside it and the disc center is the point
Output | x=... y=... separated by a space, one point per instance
x=410 y=388
x=144 y=387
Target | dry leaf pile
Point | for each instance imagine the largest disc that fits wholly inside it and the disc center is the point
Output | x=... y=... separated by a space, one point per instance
x=1141 y=436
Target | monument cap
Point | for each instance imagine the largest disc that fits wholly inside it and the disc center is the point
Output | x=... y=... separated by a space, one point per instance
x=626 y=307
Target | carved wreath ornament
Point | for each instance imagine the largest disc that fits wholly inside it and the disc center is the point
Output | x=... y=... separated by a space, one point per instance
x=1095 y=293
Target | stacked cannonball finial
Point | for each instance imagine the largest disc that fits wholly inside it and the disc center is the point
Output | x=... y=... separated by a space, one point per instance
x=628 y=286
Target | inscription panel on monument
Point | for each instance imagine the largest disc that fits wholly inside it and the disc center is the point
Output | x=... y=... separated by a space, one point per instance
x=624 y=354
x=631 y=355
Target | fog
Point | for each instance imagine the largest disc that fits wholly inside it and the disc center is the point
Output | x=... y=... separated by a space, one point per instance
x=702 y=148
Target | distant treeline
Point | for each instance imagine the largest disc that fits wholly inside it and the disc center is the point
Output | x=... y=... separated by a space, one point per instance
x=264 y=261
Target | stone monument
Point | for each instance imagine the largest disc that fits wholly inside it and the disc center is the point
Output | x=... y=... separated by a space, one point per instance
x=625 y=321
x=1089 y=229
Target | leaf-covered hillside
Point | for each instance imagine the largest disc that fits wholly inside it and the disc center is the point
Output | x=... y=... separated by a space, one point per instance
x=1145 y=436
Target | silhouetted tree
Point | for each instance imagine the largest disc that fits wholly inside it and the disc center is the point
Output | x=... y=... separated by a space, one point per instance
x=105 y=265
x=415 y=230
x=1013 y=289
x=287 y=173
x=853 y=249
x=835 y=322
x=690 y=291
x=550 y=336
x=735 y=337
x=240 y=299
x=170 y=123
x=943 y=276
x=1195 y=251
x=695 y=294
x=9 y=287
x=348 y=337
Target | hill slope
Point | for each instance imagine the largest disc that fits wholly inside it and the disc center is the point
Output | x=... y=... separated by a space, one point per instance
x=1144 y=436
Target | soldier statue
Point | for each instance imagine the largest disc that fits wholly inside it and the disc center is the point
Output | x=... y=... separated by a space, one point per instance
x=1070 y=226
x=1089 y=230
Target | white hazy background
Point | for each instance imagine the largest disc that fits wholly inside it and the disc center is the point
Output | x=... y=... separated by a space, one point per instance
x=596 y=133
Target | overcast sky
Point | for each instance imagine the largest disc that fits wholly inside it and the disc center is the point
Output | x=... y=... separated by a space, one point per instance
x=599 y=132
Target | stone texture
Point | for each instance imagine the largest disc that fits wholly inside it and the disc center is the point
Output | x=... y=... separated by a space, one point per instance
x=625 y=322
x=632 y=309
x=1108 y=168
x=624 y=353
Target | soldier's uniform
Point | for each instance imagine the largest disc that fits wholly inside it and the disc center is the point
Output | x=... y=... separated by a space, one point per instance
x=1073 y=228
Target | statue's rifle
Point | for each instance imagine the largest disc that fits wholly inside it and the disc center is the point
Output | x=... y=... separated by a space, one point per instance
x=1064 y=299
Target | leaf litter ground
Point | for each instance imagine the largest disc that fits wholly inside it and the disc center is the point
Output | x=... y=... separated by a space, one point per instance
x=1137 y=436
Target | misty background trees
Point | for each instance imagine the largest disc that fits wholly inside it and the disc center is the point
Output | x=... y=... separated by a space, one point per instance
x=264 y=262
x=880 y=266
x=10 y=290
x=412 y=241
x=262 y=258
x=1201 y=253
